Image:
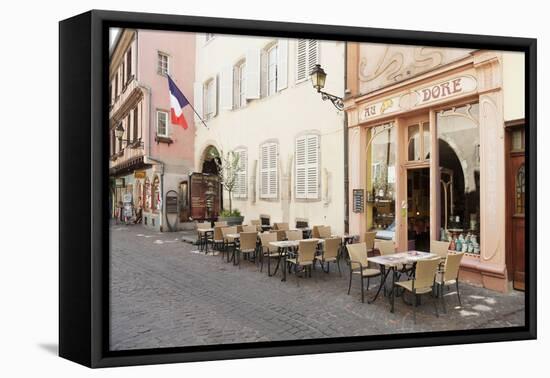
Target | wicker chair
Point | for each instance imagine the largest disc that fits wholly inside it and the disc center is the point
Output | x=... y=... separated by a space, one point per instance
x=251 y=228
x=247 y=245
x=218 y=239
x=449 y=275
x=325 y=232
x=440 y=248
x=330 y=254
x=304 y=257
x=229 y=242
x=202 y=236
x=257 y=223
x=369 y=240
x=281 y=226
x=422 y=283
x=293 y=235
x=268 y=251
x=315 y=232
x=220 y=223
x=359 y=265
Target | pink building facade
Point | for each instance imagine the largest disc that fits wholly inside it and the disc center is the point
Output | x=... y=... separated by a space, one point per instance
x=150 y=158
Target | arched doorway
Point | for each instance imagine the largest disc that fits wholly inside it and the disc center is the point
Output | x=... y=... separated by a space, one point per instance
x=210 y=160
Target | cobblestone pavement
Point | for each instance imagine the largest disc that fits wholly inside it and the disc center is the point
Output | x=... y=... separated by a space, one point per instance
x=164 y=294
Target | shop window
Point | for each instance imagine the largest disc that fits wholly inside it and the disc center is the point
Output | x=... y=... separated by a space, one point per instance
x=520 y=191
x=458 y=144
x=381 y=180
x=148 y=194
x=419 y=142
x=155 y=194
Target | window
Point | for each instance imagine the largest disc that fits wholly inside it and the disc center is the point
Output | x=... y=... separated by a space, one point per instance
x=135 y=125
x=163 y=64
x=520 y=191
x=307 y=58
x=116 y=85
x=113 y=142
x=419 y=142
x=381 y=178
x=210 y=99
x=128 y=130
x=148 y=194
x=156 y=201
x=272 y=70
x=162 y=123
x=307 y=167
x=269 y=156
x=239 y=86
x=518 y=140
x=128 y=65
x=240 y=190
x=458 y=143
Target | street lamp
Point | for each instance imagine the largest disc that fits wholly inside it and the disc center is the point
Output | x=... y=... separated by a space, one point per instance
x=119 y=131
x=318 y=78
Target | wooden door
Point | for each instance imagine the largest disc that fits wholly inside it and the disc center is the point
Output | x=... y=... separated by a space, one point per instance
x=515 y=205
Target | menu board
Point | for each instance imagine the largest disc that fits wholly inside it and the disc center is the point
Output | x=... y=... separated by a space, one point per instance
x=199 y=185
x=172 y=202
x=358 y=200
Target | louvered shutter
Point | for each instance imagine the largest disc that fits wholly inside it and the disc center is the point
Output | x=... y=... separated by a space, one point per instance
x=263 y=73
x=252 y=70
x=312 y=148
x=273 y=152
x=198 y=100
x=264 y=171
x=300 y=176
x=241 y=187
x=226 y=88
x=313 y=55
x=282 y=64
x=301 y=60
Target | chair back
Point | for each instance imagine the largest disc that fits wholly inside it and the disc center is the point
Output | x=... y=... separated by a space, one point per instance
x=301 y=223
x=425 y=273
x=306 y=251
x=280 y=226
x=332 y=245
x=203 y=225
x=266 y=238
x=218 y=235
x=257 y=223
x=315 y=232
x=358 y=254
x=294 y=235
x=220 y=223
x=325 y=232
x=251 y=228
x=228 y=230
x=386 y=247
x=248 y=240
x=369 y=239
x=440 y=248
x=452 y=265
x=281 y=234
x=239 y=228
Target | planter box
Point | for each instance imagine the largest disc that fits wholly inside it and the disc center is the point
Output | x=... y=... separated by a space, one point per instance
x=232 y=221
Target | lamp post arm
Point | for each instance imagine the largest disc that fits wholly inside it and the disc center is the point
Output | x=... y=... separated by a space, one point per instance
x=338 y=102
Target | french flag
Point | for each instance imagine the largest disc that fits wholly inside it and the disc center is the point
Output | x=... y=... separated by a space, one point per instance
x=177 y=102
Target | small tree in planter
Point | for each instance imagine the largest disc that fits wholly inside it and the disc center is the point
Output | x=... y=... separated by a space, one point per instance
x=228 y=168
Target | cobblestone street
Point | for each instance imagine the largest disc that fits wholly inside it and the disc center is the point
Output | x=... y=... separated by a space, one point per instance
x=165 y=294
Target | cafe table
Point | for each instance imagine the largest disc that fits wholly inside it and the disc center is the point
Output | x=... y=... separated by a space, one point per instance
x=203 y=236
x=388 y=265
x=283 y=246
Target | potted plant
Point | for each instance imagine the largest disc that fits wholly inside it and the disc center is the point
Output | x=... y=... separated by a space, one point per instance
x=228 y=168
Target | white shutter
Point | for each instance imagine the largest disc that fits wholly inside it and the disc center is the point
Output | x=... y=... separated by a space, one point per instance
x=301 y=60
x=300 y=176
x=312 y=143
x=263 y=73
x=264 y=172
x=198 y=100
x=226 y=88
x=313 y=55
x=241 y=186
x=273 y=170
x=282 y=64
x=252 y=74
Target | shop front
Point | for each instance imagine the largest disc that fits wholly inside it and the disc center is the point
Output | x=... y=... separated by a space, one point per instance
x=428 y=153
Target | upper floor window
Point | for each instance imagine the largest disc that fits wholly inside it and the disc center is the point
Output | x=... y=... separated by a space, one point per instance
x=307 y=56
x=269 y=169
x=210 y=99
x=307 y=166
x=239 y=84
x=162 y=123
x=163 y=64
x=240 y=190
x=128 y=65
x=272 y=70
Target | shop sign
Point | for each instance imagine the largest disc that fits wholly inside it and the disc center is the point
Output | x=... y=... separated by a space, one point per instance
x=139 y=174
x=419 y=97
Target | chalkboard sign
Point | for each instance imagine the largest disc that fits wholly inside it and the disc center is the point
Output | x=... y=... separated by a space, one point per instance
x=172 y=202
x=358 y=200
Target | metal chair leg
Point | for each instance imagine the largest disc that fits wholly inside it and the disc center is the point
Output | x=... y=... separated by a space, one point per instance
x=414 y=306
x=350 y=275
x=440 y=289
x=362 y=290
x=458 y=294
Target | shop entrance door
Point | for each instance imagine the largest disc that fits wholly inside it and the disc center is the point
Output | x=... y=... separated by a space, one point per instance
x=418 y=208
x=515 y=205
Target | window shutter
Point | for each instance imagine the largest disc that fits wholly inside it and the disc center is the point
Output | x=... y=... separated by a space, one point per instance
x=264 y=172
x=273 y=152
x=198 y=100
x=312 y=142
x=252 y=74
x=241 y=191
x=226 y=88
x=301 y=60
x=263 y=74
x=282 y=64
x=313 y=55
x=300 y=177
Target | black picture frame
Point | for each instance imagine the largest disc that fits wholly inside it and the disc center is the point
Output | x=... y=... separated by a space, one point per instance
x=83 y=182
